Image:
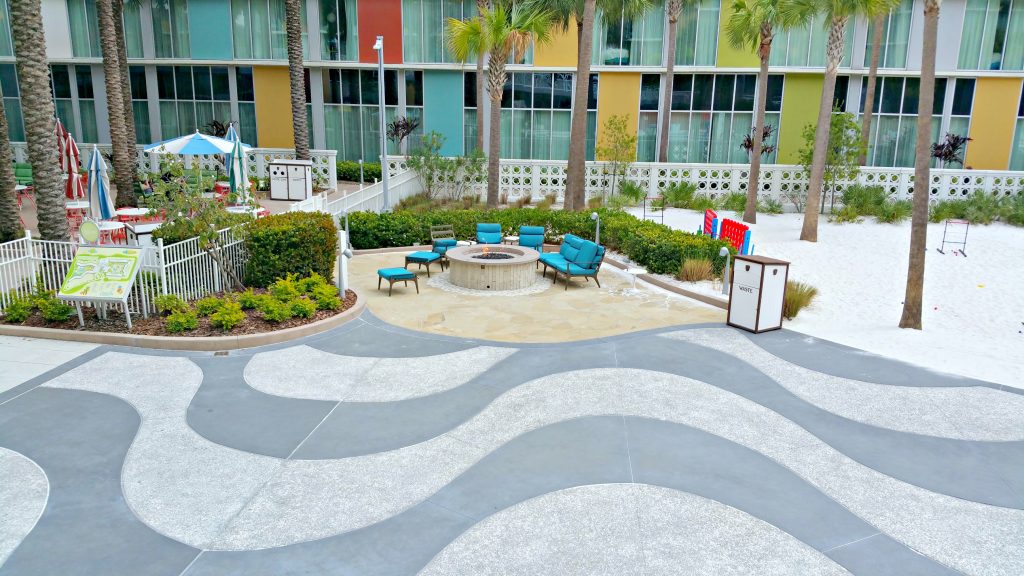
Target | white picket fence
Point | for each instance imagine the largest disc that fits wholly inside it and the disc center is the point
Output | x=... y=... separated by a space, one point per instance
x=369 y=199
x=258 y=161
x=183 y=268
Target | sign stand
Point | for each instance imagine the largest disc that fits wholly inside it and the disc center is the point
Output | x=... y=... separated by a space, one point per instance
x=102 y=275
x=956 y=240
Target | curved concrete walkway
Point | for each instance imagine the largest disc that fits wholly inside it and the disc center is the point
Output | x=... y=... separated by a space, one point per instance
x=373 y=449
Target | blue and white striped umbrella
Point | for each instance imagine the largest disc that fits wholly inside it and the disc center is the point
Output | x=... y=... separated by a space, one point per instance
x=101 y=204
x=232 y=134
x=194 y=145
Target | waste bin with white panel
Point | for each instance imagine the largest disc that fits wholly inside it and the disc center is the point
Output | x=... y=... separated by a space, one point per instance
x=291 y=179
x=757 y=293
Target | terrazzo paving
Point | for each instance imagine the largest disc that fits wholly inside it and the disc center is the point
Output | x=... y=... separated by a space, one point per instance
x=373 y=449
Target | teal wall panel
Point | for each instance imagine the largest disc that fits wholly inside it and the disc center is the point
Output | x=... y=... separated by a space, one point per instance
x=442 y=108
x=209 y=29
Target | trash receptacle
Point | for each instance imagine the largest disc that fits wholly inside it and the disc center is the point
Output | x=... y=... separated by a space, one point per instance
x=757 y=292
x=291 y=179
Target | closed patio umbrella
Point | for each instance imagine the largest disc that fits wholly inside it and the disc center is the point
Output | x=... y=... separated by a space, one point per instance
x=73 y=187
x=62 y=135
x=101 y=205
x=237 y=178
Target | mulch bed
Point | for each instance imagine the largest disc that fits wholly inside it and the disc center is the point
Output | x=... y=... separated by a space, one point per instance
x=154 y=325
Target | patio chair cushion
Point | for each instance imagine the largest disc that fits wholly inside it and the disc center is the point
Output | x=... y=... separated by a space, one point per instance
x=488 y=233
x=395 y=274
x=442 y=245
x=422 y=257
x=586 y=255
x=577 y=270
x=532 y=237
x=554 y=260
x=570 y=247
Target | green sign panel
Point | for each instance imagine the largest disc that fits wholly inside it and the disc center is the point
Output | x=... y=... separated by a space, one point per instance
x=101 y=273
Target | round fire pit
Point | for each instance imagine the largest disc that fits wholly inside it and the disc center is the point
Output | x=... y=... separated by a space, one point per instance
x=492 y=267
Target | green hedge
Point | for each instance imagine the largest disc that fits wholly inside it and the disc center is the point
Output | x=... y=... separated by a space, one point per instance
x=349 y=171
x=655 y=246
x=291 y=243
x=182 y=229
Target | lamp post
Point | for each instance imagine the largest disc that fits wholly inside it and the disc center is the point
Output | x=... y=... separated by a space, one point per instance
x=597 y=233
x=725 y=272
x=379 y=47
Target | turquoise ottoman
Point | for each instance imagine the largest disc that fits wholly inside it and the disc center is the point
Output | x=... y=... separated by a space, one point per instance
x=393 y=275
x=422 y=258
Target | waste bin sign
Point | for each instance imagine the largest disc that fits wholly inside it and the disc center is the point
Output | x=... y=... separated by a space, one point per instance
x=757 y=293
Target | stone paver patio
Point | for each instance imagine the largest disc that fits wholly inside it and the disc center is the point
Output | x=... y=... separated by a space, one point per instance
x=373 y=449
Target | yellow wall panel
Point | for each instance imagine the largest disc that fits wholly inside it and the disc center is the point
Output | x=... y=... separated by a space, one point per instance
x=273 y=107
x=992 y=122
x=729 y=57
x=562 y=50
x=618 y=94
x=801 y=98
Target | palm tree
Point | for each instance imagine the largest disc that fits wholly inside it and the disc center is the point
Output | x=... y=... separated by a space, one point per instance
x=869 y=98
x=912 y=300
x=10 y=223
x=837 y=13
x=500 y=32
x=122 y=57
x=124 y=149
x=481 y=6
x=583 y=13
x=673 y=8
x=34 y=81
x=297 y=78
x=753 y=25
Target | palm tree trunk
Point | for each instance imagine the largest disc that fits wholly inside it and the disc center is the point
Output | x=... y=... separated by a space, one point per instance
x=122 y=58
x=124 y=150
x=481 y=92
x=869 y=98
x=10 y=223
x=575 y=176
x=496 y=86
x=834 y=55
x=34 y=81
x=913 y=299
x=296 y=79
x=670 y=68
x=757 y=137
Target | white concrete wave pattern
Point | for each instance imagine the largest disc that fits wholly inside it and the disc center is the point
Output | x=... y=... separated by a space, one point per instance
x=968 y=413
x=626 y=529
x=24 y=490
x=214 y=497
x=305 y=372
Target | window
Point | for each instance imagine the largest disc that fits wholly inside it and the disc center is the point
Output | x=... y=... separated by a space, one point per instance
x=133 y=29
x=841 y=93
x=6 y=46
x=191 y=97
x=424 y=22
x=72 y=86
x=170 y=28
x=629 y=41
x=140 y=104
x=711 y=114
x=993 y=35
x=259 y=32
x=12 y=103
x=246 y=95
x=895 y=37
x=1017 y=152
x=351 y=109
x=536 y=115
x=338 y=40
x=697 y=34
x=85 y=34
x=893 y=138
x=804 y=47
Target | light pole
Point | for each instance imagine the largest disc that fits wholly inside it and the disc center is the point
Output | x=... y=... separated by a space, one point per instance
x=379 y=47
x=725 y=273
x=597 y=234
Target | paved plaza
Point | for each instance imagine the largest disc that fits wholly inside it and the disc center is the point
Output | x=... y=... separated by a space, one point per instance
x=376 y=450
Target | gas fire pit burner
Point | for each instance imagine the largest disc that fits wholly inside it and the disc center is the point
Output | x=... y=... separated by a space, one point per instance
x=493 y=256
x=493 y=267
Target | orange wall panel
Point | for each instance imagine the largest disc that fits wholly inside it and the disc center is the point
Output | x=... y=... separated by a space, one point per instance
x=380 y=18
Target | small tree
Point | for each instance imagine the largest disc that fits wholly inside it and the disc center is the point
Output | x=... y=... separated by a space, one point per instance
x=766 y=149
x=842 y=162
x=617 y=147
x=401 y=128
x=440 y=175
x=216 y=128
x=950 y=150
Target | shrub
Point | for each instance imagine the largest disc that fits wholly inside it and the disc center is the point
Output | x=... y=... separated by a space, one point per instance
x=947 y=209
x=274 y=310
x=249 y=300
x=595 y=202
x=632 y=191
x=894 y=211
x=54 y=310
x=702 y=202
x=845 y=214
x=349 y=171
x=18 y=310
x=551 y=197
x=696 y=270
x=1013 y=209
x=798 y=296
x=983 y=208
x=679 y=194
x=181 y=321
x=228 y=316
x=169 y=303
x=284 y=289
x=326 y=297
x=310 y=283
x=544 y=204
x=770 y=206
x=524 y=200
x=303 y=307
x=735 y=202
x=291 y=243
x=181 y=229
x=864 y=200
x=208 y=305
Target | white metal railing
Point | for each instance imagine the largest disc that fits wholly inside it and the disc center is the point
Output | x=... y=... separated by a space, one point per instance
x=324 y=161
x=183 y=268
x=369 y=199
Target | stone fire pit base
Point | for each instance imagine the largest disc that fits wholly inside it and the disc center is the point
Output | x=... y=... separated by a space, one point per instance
x=515 y=273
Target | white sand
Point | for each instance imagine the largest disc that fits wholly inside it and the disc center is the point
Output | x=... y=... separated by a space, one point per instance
x=973 y=306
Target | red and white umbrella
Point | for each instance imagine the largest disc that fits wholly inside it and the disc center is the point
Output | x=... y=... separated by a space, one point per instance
x=62 y=135
x=74 y=187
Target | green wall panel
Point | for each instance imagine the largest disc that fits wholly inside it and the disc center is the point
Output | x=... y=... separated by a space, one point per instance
x=442 y=108
x=801 y=98
x=209 y=29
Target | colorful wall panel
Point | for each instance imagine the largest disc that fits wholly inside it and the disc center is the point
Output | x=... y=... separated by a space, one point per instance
x=273 y=106
x=380 y=18
x=801 y=98
x=618 y=94
x=992 y=122
x=561 y=51
x=729 y=57
x=442 y=108
x=208 y=37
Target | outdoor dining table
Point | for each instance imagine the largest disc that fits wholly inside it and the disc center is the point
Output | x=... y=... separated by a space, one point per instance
x=77 y=205
x=110 y=229
x=129 y=214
